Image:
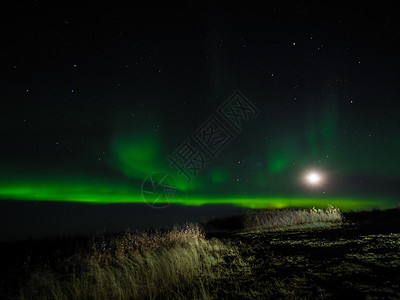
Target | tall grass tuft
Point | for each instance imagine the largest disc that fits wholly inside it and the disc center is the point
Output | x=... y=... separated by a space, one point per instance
x=270 y=219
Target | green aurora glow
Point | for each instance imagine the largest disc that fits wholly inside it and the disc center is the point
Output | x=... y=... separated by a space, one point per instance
x=101 y=194
x=273 y=181
x=136 y=157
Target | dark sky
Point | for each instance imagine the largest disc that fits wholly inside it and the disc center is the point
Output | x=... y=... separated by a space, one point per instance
x=96 y=97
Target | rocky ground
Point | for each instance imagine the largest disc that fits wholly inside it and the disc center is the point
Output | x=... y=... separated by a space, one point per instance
x=360 y=260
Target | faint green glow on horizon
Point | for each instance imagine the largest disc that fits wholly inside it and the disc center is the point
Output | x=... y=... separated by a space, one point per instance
x=101 y=194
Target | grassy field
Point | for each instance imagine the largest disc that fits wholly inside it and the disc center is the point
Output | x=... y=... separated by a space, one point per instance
x=266 y=254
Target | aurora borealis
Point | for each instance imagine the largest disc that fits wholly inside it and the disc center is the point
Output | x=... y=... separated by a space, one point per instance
x=93 y=103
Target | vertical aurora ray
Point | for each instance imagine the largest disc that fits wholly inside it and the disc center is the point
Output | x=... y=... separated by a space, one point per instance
x=328 y=128
x=322 y=125
x=281 y=153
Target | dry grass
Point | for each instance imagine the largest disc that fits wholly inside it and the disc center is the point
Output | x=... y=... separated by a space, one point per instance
x=182 y=264
x=271 y=219
x=106 y=248
x=176 y=264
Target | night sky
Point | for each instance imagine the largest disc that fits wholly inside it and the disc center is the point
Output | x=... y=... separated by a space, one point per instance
x=95 y=98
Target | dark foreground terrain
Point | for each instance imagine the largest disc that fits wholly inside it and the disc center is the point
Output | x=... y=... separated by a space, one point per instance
x=357 y=260
x=355 y=255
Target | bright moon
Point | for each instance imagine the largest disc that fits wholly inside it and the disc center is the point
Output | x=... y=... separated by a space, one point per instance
x=313 y=178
